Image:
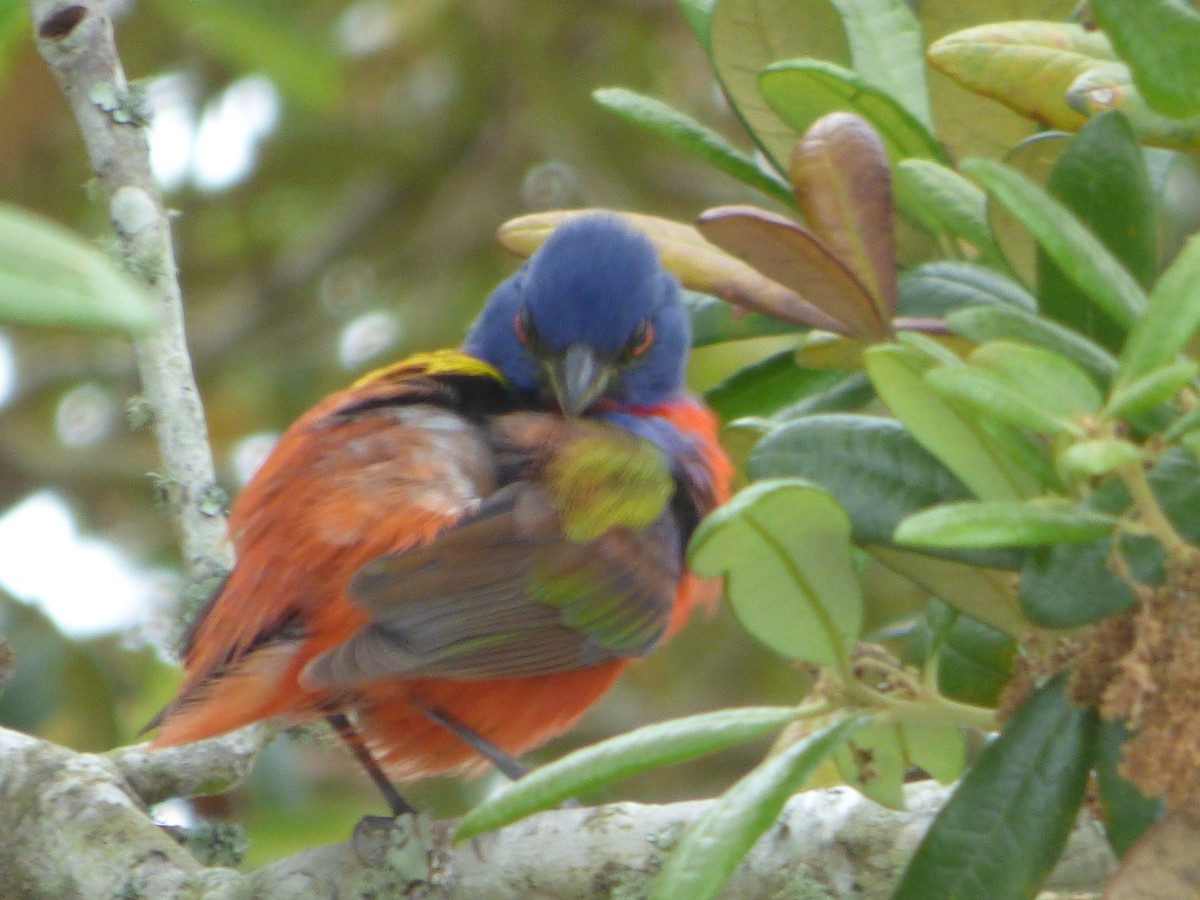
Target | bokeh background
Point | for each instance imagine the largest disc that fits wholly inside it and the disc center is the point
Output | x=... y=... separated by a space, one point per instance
x=338 y=169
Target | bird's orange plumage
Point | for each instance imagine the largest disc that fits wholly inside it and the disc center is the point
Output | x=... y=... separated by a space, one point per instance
x=338 y=491
x=464 y=550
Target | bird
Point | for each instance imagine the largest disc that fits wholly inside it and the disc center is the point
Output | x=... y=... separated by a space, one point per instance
x=455 y=557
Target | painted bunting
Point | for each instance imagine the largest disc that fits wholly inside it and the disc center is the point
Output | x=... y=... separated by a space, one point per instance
x=455 y=557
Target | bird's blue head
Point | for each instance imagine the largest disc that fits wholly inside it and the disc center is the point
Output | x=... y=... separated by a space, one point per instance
x=591 y=317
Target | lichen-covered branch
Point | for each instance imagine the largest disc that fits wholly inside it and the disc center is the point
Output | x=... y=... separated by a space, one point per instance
x=76 y=40
x=205 y=767
x=76 y=828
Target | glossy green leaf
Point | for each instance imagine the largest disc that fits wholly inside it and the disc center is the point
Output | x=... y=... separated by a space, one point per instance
x=943 y=201
x=1151 y=389
x=990 y=323
x=876 y=760
x=784 y=549
x=1082 y=257
x=843 y=184
x=1100 y=456
x=1101 y=177
x=685 y=132
x=795 y=258
x=1110 y=87
x=986 y=594
x=1034 y=157
x=1127 y=811
x=649 y=747
x=975 y=660
x=1001 y=523
x=1158 y=38
x=888 y=51
x=945 y=430
x=715 y=321
x=1172 y=317
x=50 y=276
x=1027 y=66
x=936 y=289
x=1060 y=387
x=986 y=394
x=853 y=392
x=708 y=854
x=1003 y=829
x=765 y=387
x=800 y=91
x=874 y=469
x=749 y=35
x=1068 y=585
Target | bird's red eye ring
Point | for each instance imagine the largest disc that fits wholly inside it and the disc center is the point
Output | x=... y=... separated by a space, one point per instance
x=642 y=339
x=523 y=326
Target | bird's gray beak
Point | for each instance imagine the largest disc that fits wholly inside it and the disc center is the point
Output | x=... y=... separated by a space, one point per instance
x=578 y=379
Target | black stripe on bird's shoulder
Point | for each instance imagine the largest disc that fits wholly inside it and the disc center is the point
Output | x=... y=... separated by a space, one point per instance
x=475 y=397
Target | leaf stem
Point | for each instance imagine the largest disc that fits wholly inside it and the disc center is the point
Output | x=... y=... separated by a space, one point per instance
x=1150 y=513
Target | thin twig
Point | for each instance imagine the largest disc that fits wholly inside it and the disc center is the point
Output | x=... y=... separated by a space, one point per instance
x=76 y=40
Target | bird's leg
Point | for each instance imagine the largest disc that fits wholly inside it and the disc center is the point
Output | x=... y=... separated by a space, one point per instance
x=350 y=736
x=504 y=763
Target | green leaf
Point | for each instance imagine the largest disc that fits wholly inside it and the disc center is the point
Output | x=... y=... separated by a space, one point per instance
x=649 y=747
x=990 y=323
x=1127 y=811
x=1158 y=38
x=876 y=760
x=1172 y=317
x=975 y=660
x=252 y=38
x=1067 y=585
x=1076 y=250
x=935 y=289
x=708 y=854
x=943 y=429
x=874 y=469
x=1110 y=87
x=989 y=395
x=1147 y=391
x=854 y=391
x=888 y=51
x=784 y=549
x=1003 y=829
x=800 y=91
x=943 y=201
x=715 y=321
x=986 y=594
x=688 y=134
x=766 y=387
x=1027 y=66
x=999 y=523
x=698 y=14
x=1101 y=177
x=1100 y=456
x=1060 y=385
x=50 y=276
x=749 y=35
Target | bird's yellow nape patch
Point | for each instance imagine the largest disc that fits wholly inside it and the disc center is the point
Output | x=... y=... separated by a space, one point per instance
x=434 y=362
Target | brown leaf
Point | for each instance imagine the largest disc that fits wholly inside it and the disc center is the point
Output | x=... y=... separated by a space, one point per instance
x=698 y=264
x=843 y=183
x=796 y=258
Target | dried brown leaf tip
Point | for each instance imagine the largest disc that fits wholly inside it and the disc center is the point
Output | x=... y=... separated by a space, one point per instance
x=1143 y=669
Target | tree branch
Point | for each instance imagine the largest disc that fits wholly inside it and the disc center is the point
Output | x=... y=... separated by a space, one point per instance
x=76 y=40
x=75 y=828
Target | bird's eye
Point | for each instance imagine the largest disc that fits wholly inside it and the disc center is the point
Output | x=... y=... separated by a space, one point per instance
x=641 y=340
x=524 y=328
